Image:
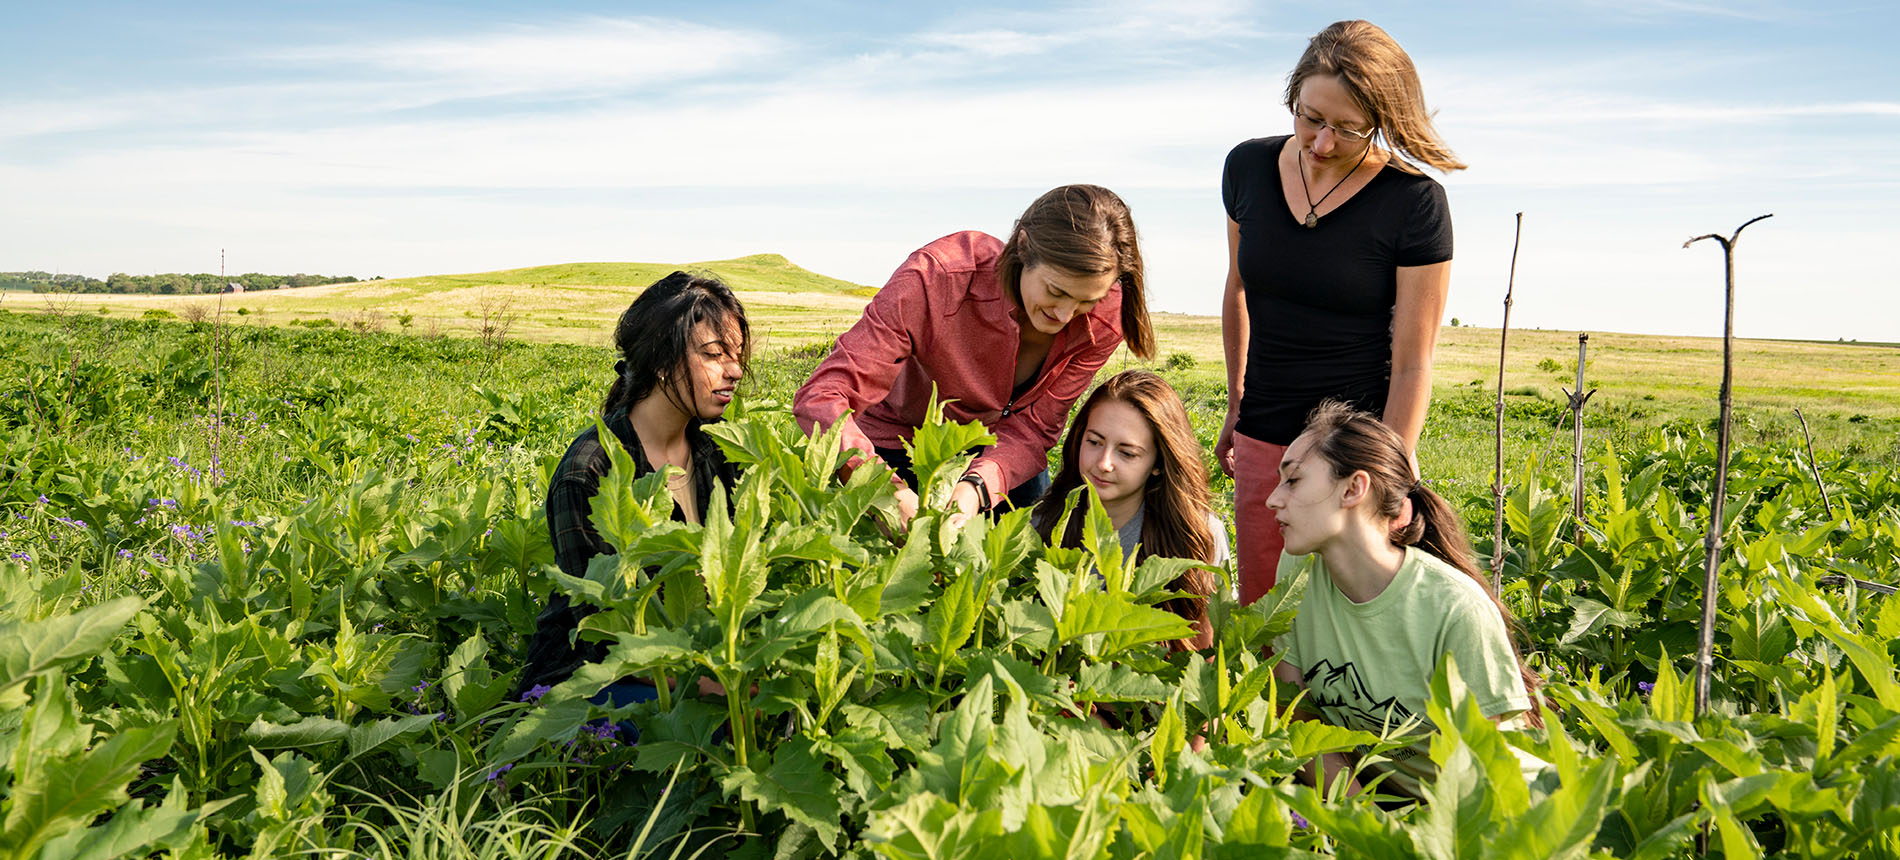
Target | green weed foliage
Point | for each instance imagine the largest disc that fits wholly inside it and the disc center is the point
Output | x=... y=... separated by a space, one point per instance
x=265 y=600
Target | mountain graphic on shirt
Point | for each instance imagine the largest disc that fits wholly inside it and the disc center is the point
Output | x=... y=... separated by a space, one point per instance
x=1340 y=690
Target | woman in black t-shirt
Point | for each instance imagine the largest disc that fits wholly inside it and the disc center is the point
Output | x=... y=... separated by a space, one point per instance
x=1339 y=258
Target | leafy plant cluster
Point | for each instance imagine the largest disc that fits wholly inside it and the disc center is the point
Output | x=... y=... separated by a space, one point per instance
x=308 y=646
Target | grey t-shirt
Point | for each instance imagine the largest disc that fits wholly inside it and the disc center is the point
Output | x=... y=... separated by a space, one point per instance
x=1130 y=534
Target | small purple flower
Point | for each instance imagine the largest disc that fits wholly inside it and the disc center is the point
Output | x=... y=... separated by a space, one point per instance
x=125 y=554
x=43 y=499
x=1645 y=687
x=158 y=557
x=603 y=731
x=496 y=774
x=535 y=693
x=1299 y=820
x=20 y=555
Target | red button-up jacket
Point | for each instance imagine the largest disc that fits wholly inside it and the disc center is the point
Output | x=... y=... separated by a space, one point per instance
x=943 y=318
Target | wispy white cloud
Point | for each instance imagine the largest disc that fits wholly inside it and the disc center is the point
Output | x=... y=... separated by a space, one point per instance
x=997 y=42
x=581 y=55
x=1646 y=10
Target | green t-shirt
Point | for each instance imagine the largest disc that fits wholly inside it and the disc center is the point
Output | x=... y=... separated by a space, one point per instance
x=1370 y=665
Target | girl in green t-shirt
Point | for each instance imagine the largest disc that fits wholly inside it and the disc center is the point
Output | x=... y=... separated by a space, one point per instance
x=1393 y=588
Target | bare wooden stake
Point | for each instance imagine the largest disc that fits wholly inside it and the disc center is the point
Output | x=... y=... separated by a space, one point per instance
x=1577 y=399
x=1712 y=544
x=1497 y=480
x=1812 y=467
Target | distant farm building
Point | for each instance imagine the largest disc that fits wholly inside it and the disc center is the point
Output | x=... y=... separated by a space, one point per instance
x=233 y=287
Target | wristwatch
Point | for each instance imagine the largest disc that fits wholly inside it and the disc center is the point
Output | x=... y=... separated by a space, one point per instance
x=982 y=490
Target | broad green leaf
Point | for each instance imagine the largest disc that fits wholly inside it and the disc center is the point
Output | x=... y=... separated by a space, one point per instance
x=1167 y=741
x=307 y=732
x=1589 y=616
x=1260 y=821
x=1309 y=738
x=927 y=827
x=68 y=793
x=368 y=736
x=1561 y=825
x=1113 y=682
x=907 y=580
x=952 y=618
x=796 y=784
x=900 y=720
x=135 y=830
x=1020 y=679
x=31 y=648
x=861 y=752
x=1124 y=623
x=1734 y=759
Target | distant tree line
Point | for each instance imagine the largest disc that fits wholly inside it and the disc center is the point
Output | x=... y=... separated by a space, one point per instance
x=166 y=284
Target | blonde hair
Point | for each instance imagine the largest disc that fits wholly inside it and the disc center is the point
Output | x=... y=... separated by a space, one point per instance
x=1382 y=81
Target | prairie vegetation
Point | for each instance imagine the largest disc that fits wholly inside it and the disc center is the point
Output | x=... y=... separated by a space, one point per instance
x=266 y=601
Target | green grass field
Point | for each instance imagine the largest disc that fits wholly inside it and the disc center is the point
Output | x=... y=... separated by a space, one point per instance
x=1849 y=393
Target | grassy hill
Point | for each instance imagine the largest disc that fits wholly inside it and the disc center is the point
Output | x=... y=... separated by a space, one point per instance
x=567 y=302
x=756 y=273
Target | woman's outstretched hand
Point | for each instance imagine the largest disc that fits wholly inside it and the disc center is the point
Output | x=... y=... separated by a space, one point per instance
x=964 y=504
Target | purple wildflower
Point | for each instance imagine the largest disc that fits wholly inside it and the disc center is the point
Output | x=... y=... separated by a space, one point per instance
x=125 y=554
x=1299 y=820
x=20 y=555
x=496 y=774
x=535 y=693
x=43 y=499
x=1645 y=687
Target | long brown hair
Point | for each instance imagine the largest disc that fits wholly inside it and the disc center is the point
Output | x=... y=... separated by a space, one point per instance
x=1086 y=230
x=1175 y=499
x=1355 y=441
x=1382 y=81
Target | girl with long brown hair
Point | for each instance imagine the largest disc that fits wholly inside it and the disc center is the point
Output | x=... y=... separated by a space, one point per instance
x=1393 y=587
x=1005 y=332
x=1133 y=443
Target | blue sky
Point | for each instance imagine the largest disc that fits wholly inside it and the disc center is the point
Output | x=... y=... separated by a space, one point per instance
x=418 y=138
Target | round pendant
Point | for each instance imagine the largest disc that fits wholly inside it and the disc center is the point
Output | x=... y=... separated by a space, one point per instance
x=1312 y=220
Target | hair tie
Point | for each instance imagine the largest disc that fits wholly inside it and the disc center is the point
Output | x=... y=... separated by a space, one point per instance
x=620 y=367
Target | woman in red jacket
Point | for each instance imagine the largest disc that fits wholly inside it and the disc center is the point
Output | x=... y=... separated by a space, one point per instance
x=1008 y=333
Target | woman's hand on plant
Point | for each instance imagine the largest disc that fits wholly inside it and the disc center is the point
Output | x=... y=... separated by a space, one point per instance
x=907 y=504
x=964 y=504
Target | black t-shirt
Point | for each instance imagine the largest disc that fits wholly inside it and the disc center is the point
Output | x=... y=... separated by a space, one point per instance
x=1319 y=300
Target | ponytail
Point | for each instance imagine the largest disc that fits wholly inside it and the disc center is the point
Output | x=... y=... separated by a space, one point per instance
x=1356 y=441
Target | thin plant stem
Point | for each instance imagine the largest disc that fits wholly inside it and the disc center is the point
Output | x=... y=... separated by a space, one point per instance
x=1578 y=398
x=1812 y=467
x=1497 y=480
x=1712 y=544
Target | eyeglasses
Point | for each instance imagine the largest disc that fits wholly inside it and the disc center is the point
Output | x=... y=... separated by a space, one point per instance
x=1314 y=124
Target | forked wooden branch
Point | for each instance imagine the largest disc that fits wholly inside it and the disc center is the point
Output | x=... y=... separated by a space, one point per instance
x=1712 y=544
